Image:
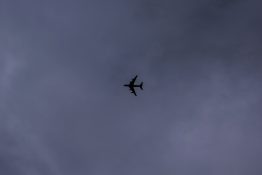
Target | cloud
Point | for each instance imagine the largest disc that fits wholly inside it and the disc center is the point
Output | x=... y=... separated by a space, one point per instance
x=8 y=70
x=65 y=110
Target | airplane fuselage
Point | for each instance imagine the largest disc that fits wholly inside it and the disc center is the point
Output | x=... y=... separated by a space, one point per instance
x=130 y=85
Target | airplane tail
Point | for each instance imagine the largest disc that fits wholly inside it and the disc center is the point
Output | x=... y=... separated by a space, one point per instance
x=141 y=86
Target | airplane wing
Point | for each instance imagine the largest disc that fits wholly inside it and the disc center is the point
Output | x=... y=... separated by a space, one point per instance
x=133 y=91
x=133 y=80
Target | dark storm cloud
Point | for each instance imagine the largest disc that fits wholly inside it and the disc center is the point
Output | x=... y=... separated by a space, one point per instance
x=64 y=110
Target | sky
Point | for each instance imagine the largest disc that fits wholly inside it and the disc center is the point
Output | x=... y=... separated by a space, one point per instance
x=64 y=110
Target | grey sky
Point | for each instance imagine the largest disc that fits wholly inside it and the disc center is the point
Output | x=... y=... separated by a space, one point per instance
x=63 y=108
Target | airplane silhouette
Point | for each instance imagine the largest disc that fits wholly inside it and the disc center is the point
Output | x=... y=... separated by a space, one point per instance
x=132 y=85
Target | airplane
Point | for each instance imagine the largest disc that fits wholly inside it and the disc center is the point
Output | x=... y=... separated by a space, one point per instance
x=132 y=85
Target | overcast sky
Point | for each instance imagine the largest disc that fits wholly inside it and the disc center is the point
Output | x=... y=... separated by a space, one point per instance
x=64 y=110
